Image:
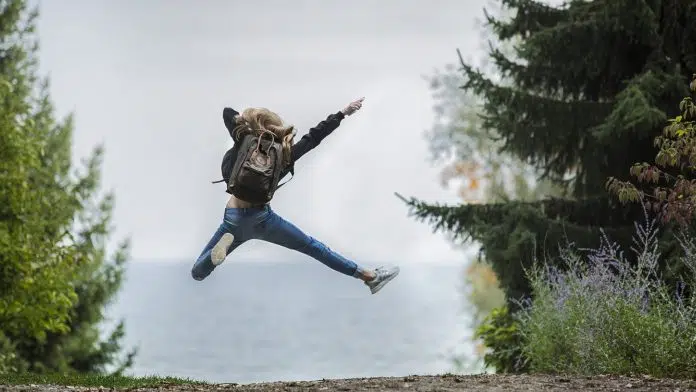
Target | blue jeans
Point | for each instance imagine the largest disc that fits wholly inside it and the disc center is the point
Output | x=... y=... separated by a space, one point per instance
x=262 y=223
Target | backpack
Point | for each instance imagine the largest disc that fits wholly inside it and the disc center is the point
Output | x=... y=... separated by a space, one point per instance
x=255 y=174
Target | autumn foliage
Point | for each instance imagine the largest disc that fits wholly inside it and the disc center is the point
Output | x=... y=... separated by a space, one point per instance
x=669 y=185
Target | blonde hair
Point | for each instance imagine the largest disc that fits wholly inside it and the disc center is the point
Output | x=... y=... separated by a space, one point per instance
x=259 y=120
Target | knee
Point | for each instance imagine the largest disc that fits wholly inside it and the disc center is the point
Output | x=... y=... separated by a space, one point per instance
x=198 y=273
x=197 y=276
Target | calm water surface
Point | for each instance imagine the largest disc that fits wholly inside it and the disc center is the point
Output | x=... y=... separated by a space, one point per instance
x=251 y=322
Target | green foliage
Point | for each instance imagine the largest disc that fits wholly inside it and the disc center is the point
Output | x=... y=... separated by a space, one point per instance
x=55 y=276
x=510 y=244
x=580 y=100
x=482 y=294
x=670 y=185
x=9 y=363
x=483 y=290
x=472 y=159
x=602 y=314
x=95 y=380
x=500 y=334
x=36 y=266
x=473 y=155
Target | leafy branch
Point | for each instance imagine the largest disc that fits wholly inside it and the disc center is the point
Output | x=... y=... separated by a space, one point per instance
x=669 y=185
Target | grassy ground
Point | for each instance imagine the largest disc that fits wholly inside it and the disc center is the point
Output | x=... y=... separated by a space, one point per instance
x=474 y=383
x=82 y=380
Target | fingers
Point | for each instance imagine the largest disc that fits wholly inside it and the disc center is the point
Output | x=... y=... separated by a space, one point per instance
x=354 y=106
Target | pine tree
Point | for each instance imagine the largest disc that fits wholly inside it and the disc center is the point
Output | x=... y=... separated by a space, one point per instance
x=55 y=276
x=589 y=86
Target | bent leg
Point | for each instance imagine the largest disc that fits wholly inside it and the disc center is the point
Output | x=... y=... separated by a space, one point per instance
x=204 y=265
x=281 y=232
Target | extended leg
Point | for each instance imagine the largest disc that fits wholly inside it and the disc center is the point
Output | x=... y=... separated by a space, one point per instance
x=283 y=233
x=220 y=245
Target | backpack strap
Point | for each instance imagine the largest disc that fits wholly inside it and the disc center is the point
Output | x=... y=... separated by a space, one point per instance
x=242 y=135
x=292 y=175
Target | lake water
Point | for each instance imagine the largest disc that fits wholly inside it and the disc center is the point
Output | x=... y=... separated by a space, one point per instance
x=253 y=322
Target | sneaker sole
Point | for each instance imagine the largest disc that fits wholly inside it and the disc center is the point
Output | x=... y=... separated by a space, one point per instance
x=377 y=288
x=219 y=252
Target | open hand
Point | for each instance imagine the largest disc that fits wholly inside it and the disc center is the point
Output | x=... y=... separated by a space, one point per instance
x=353 y=107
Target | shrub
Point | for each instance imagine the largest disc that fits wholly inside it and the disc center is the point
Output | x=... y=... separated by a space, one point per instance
x=601 y=314
x=501 y=336
x=483 y=293
x=668 y=185
x=9 y=362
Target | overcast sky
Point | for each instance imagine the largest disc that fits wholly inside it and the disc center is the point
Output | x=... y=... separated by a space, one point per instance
x=149 y=80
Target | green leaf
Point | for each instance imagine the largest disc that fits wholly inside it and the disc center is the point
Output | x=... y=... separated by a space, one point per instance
x=45 y=291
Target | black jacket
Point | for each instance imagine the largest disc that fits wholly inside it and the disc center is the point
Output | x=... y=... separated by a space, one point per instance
x=306 y=143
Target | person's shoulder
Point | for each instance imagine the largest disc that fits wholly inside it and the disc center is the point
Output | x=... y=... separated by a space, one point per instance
x=230 y=118
x=228 y=111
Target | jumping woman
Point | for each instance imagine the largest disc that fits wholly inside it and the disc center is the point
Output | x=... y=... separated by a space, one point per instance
x=263 y=153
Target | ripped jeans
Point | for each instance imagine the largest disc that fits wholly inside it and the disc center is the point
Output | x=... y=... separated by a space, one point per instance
x=262 y=223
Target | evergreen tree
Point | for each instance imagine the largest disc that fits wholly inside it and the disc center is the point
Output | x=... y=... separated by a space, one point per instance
x=472 y=162
x=589 y=86
x=55 y=275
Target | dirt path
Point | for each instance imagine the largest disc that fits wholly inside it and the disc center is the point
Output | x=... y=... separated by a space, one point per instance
x=478 y=383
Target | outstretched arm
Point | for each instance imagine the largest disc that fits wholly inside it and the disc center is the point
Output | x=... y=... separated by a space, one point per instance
x=323 y=129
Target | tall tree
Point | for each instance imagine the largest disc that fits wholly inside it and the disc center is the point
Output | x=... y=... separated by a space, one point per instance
x=588 y=87
x=472 y=162
x=55 y=276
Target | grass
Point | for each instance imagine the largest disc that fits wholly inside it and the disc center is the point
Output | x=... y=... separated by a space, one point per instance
x=93 y=380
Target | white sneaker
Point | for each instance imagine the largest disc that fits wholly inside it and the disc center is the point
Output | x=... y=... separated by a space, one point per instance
x=384 y=275
x=219 y=252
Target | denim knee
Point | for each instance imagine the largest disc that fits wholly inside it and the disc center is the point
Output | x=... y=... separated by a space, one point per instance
x=195 y=275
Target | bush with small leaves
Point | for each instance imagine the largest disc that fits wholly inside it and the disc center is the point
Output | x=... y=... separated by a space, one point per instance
x=500 y=334
x=670 y=183
x=601 y=314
